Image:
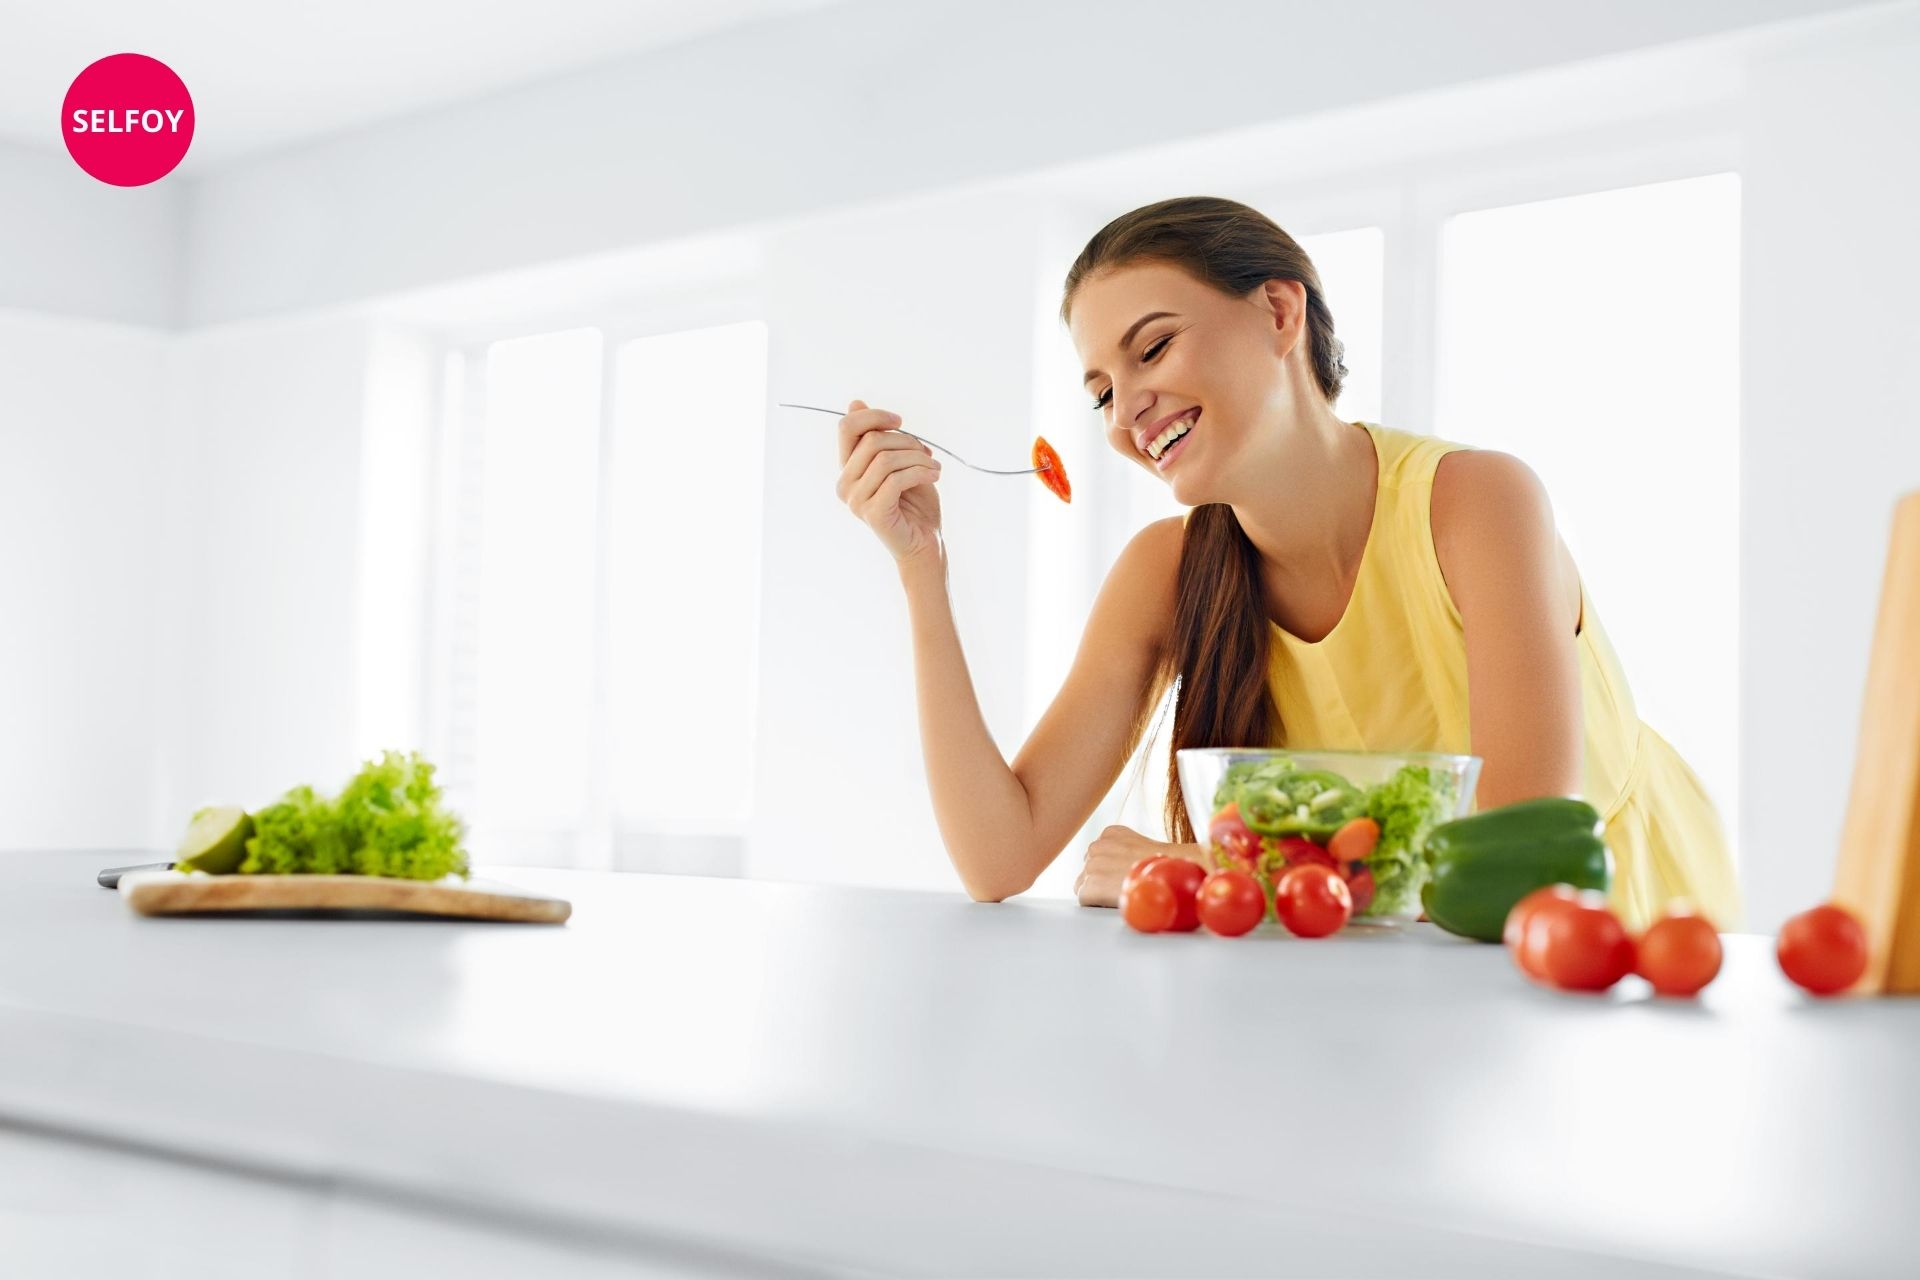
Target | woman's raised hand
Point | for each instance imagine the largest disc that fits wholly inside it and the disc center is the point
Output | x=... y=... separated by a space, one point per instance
x=887 y=479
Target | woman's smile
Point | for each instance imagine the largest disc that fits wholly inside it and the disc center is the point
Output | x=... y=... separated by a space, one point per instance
x=1179 y=446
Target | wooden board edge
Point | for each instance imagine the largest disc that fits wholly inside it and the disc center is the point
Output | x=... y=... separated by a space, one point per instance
x=156 y=893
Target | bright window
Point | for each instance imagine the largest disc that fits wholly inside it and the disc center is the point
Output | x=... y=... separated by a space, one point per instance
x=600 y=580
x=533 y=689
x=685 y=572
x=1352 y=271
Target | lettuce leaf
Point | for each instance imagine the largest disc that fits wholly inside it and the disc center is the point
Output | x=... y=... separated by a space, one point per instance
x=389 y=820
x=1407 y=806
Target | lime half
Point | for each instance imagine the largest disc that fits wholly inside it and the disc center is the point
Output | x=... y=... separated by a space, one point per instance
x=216 y=840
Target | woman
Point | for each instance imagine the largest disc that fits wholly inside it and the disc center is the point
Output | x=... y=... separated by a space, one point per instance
x=1341 y=585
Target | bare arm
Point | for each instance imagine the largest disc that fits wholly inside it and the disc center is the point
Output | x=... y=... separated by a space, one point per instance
x=1494 y=535
x=1003 y=825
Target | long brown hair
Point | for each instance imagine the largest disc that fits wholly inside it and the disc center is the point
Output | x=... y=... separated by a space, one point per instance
x=1216 y=661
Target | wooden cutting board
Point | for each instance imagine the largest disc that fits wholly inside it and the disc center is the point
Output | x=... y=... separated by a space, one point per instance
x=1878 y=877
x=167 y=893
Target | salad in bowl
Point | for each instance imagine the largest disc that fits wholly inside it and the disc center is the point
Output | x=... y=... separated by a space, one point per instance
x=1363 y=814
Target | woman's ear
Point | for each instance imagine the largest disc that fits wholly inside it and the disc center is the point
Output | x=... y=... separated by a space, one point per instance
x=1286 y=304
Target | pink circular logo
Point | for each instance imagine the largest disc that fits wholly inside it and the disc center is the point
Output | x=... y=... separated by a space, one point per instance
x=127 y=120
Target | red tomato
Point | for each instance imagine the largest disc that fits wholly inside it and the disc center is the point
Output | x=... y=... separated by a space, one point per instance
x=1360 y=885
x=1312 y=901
x=1184 y=878
x=1354 y=841
x=1047 y=466
x=1823 y=950
x=1148 y=905
x=1587 y=948
x=1228 y=833
x=1229 y=816
x=1679 y=953
x=1298 y=851
x=1519 y=935
x=1139 y=869
x=1231 y=902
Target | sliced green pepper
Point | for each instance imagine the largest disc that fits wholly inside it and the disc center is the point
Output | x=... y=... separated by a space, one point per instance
x=1291 y=801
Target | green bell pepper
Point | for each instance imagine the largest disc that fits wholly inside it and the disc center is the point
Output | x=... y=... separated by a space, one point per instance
x=1481 y=865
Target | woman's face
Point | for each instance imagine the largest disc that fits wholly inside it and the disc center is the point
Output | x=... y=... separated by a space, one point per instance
x=1217 y=364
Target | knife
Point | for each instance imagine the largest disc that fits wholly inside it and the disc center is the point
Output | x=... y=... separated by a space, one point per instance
x=110 y=878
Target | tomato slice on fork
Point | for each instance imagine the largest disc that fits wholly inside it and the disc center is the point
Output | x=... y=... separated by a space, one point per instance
x=1054 y=475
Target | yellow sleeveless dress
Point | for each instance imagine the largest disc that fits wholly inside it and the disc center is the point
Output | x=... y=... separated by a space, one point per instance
x=1392 y=676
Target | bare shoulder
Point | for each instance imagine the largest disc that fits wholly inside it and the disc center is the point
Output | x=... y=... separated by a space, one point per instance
x=1490 y=507
x=1144 y=581
x=1152 y=557
x=1164 y=538
x=1485 y=491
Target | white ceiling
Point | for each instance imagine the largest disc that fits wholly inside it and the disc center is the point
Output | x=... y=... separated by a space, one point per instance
x=266 y=75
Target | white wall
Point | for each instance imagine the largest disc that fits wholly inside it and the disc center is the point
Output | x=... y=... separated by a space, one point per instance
x=80 y=448
x=178 y=542
x=1831 y=417
x=260 y=526
x=72 y=246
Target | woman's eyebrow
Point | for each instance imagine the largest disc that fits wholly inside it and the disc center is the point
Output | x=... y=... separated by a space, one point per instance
x=1127 y=340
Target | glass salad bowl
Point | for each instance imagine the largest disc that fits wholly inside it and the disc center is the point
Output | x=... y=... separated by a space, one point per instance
x=1364 y=814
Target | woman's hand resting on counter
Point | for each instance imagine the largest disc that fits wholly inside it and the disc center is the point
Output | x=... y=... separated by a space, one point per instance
x=1113 y=854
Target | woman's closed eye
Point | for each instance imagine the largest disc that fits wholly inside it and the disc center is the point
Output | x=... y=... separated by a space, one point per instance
x=1151 y=353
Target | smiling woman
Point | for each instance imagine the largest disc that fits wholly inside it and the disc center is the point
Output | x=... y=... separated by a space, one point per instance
x=1333 y=584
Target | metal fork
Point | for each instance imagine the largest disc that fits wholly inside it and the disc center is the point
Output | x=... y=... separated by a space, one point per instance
x=923 y=440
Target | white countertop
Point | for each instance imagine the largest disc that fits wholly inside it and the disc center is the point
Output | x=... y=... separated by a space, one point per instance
x=773 y=1075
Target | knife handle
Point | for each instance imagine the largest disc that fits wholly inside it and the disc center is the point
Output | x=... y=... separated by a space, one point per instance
x=110 y=878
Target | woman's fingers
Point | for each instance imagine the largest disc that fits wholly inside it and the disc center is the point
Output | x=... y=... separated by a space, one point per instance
x=859 y=420
x=1109 y=857
x=879 y=467
x=890 y=474
x=873 y=445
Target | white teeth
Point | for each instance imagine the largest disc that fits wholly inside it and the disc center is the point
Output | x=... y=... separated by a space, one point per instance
x=1165 y=439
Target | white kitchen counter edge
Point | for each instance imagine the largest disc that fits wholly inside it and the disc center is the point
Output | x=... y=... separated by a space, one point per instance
x=748 y=1189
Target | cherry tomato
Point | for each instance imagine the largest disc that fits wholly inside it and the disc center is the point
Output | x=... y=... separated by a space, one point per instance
x=1231 y=902
x=1298 y=851
x=1139 y=870
x=1823 y=950
x=1587 y=948
x=1184 y=878
x=1679 y=953
x=1229 y=816
x=1148 y=905
x=1360 y=885
x=1231 y=835
x=1519 y=934
x=1354 y=841
x=1312 y=901
x=1047 y=466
